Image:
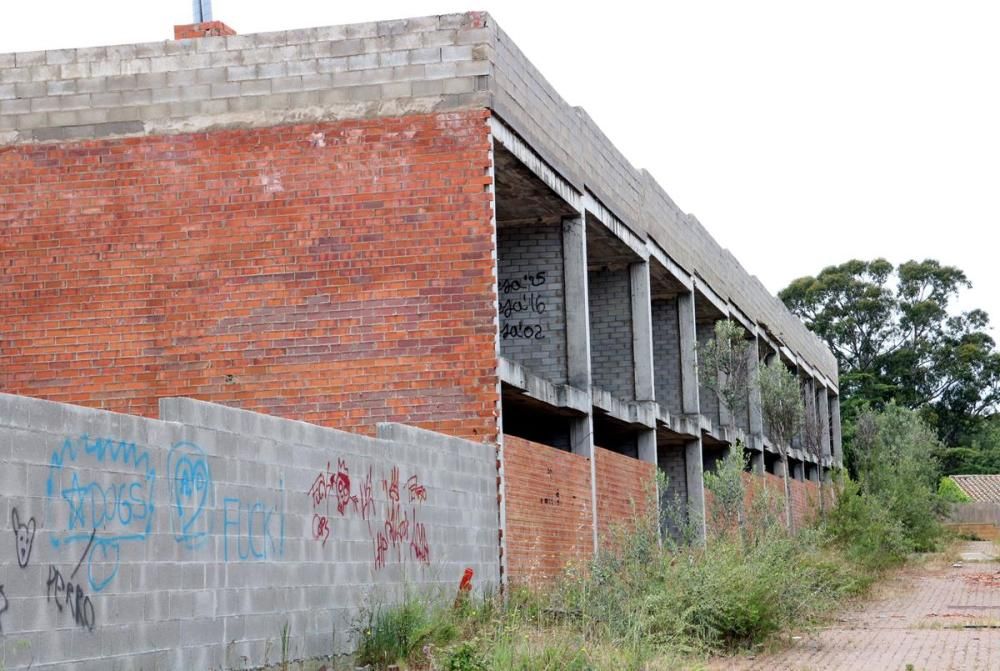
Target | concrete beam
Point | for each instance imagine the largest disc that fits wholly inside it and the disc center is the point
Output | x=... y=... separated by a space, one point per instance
x=715 y=299
x=516 y=146
x=625 y=234
x=540 y=389
x=678 y=273
x=643 y=413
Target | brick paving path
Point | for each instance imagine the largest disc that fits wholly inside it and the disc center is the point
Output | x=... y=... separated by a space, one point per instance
x=935 y=618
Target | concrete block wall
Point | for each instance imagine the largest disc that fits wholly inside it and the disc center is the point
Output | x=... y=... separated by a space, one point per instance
x=667 y=355
x=531 y=298
x=384 y=68
x=190 y=543
x=610 y=303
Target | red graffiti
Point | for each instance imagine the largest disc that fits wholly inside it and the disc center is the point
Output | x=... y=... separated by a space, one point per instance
x=342 y=483
x=320 y=489
x=391 y=488
x=418 y=544
x=390 y=527
x=397 y=525
x=321 y=527
x=367 y=496
x=381 y=550
x=417 y=491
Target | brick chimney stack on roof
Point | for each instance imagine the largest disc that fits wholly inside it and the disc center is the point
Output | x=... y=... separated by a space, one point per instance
x=204 y=29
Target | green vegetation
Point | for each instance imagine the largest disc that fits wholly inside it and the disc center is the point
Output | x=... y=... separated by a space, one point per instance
x=897 y=339
x=646 y=604
x=949 y=492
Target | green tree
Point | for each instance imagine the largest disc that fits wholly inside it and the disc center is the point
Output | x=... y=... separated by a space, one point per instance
x=783 y=412
x=724 y=366
x=895 y=338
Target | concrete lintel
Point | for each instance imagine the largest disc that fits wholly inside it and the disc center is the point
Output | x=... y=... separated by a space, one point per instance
x=702 y=287
x=642 y=413
x=739 y=316
x=678 y=273
x=503 y=134
x=804 y=367
x=678 y=424
x=724 y=433
x=540 y=389
x=615 y=225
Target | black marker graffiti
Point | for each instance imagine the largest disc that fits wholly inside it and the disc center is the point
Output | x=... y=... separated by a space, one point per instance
x=70 y=596
x=25 y=535
x=86 y=550
x=3 y=607
x=518 y=299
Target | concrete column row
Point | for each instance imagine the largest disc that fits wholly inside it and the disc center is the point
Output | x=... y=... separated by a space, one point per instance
x=579 y=371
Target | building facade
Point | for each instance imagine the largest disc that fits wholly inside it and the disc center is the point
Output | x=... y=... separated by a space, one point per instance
x=398 y=221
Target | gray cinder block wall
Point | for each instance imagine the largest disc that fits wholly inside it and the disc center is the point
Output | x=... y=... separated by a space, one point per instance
x=191 y=543
x=531 y=305
x=611 y=360
x=667 y=355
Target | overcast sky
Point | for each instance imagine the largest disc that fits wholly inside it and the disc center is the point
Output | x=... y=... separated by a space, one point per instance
x=801 y=134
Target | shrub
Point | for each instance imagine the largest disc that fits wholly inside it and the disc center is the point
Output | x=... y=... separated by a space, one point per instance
x=950 y=492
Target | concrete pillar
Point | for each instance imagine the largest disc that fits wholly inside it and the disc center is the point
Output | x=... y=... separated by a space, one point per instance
x=810 y=441
x=695 y=488
x=642 y=352
x=689 y=354
x=837 y=445
x=577 y=309
x=754 y=408
x=779 y=467
x=581 y=431
x=757 y=463
x=642 y=331
x=647 y=445
x=823 y=404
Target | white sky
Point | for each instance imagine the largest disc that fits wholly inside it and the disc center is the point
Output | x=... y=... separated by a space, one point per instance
x=801 y=134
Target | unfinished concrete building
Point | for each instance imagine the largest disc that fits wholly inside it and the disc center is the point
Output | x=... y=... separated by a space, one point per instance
x=395 y=221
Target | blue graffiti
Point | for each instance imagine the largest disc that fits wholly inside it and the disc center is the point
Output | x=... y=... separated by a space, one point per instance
x=256 y=528
x=120 y=511
x=191 y=491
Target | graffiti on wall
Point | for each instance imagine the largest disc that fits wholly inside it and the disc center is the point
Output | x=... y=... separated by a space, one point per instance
x=522 y=306
x=396 y=531
x=191 y=490
x=253 y=527
x=106 y=485
x=24 y=538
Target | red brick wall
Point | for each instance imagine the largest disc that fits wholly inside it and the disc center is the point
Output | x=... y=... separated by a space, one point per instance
x=625 y=489
x=805 y=499
x=340 y=273
x=548 y=509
